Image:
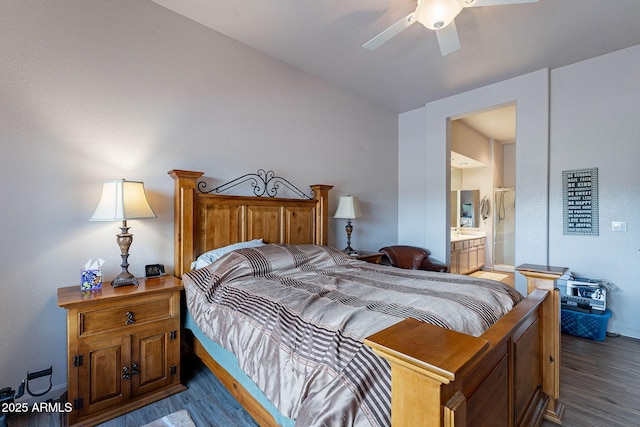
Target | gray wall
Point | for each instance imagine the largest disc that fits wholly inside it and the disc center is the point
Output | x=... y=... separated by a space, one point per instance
x=595 y=124
x=592 y=122
x=431 y=230
x=100 y=90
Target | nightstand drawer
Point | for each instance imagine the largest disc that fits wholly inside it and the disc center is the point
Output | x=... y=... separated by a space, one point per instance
x=134 y=313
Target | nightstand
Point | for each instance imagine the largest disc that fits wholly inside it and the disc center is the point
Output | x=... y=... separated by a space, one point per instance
x=372 y=257
x=123 y=347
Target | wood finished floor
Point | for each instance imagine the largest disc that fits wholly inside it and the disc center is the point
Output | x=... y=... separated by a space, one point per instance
x=508 y=278
x=600 y=382
x=206 y=399
x=600 y=386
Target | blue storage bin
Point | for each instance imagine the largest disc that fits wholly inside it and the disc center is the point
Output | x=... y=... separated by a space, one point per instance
x=592 y=326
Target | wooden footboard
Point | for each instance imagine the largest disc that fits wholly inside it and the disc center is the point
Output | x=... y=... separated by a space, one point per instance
x=508 y=376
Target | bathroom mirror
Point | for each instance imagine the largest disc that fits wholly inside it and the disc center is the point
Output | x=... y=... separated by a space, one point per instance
x=465 y=208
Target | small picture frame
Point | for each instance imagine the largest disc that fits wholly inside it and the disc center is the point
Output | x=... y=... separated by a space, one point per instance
x=90 y=279
x=154 y=270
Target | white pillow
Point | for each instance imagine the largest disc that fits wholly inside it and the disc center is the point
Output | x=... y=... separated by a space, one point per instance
x=209 y=257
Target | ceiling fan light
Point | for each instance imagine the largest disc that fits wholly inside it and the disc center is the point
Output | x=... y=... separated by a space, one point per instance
x=436 y=14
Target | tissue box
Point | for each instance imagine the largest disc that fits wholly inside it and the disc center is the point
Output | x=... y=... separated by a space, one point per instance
x=90 y=279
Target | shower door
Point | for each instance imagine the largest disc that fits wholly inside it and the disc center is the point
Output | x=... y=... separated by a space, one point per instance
x=504 y=229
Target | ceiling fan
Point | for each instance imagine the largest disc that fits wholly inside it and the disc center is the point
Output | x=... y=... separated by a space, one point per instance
x=437 y=15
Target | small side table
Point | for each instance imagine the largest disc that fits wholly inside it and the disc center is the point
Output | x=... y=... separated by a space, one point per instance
x=371 y=257
x=123 y=347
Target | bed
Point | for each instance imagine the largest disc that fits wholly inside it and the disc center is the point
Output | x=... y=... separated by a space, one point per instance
x=505 y=374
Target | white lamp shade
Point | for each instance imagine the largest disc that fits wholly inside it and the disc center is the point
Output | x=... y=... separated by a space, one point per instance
x=437 y=14
x=348 y=208
x=122 y=200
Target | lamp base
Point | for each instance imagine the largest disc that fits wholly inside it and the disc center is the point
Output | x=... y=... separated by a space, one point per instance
x=350 y=251
x=124 y=279
x=349 y=228
x=124 y=240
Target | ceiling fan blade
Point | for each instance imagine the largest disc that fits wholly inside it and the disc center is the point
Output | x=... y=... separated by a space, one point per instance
x=448 y=39
x=479 y=3
x=390 y=32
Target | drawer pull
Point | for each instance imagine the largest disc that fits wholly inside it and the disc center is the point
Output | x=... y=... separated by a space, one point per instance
x=127 y=374
x=130 y=320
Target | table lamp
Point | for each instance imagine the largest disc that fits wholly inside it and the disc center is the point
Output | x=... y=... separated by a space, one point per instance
x=348 y=208
x=122 y=200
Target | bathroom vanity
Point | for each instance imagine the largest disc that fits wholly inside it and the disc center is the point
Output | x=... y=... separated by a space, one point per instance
x=468 y=251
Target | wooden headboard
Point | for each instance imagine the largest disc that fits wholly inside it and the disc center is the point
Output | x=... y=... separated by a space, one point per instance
x=207 y=221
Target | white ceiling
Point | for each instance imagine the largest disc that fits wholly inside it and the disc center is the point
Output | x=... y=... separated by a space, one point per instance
x=325 y=37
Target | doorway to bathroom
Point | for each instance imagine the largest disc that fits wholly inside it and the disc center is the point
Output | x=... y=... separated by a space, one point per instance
x=483 y=158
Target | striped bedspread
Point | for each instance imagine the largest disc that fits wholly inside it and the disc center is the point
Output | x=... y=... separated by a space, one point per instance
x=296 y=316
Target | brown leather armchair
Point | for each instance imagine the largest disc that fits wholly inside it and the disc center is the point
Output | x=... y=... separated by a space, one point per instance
x=410 y=257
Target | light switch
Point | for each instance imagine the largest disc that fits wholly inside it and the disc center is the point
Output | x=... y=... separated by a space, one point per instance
x=618 y=225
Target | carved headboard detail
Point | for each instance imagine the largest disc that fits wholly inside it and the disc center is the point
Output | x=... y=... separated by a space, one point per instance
x=208 y=221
